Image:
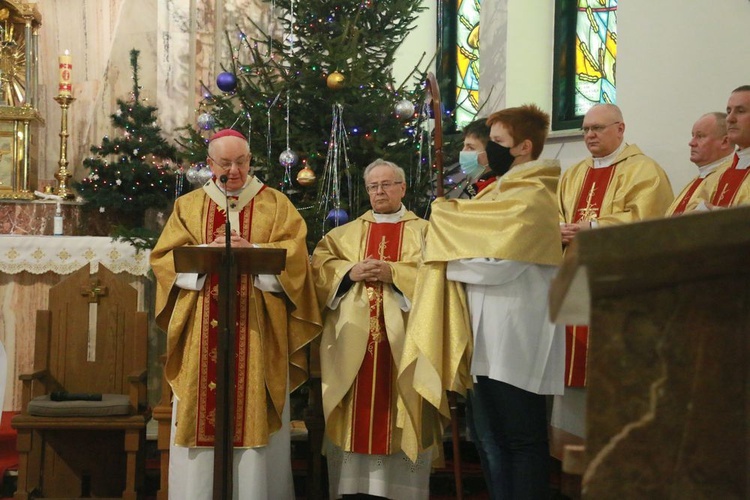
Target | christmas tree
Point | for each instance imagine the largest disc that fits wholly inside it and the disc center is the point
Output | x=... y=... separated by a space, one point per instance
x=131 y=173
x=321 y=103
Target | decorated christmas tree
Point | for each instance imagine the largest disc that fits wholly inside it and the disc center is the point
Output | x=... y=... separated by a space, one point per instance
x=132 y=172
x=320 y=102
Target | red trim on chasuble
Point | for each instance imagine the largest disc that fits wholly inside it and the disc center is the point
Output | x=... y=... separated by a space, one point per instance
x=577 y=336
x=206 y=417
x=680 y=208
x=729 y=183
x=372 y=400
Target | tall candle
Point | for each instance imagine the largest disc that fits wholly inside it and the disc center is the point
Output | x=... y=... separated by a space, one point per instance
x=66 y=67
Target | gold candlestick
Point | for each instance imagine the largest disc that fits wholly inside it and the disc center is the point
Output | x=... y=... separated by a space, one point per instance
x=62 y=175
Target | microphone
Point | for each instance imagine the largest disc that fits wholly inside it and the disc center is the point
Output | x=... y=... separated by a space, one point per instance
x=224 y=180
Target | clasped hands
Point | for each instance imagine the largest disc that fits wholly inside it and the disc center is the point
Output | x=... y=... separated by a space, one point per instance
x=568 y=231
x=235 y=240
x=371 y=270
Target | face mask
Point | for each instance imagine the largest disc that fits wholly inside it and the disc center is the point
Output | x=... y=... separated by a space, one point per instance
x=499 y=158
x=469 y=162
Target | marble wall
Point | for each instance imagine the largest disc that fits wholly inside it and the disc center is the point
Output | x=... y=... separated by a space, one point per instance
x=181 y=43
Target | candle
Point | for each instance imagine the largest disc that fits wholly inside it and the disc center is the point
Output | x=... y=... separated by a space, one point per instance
x=66 y=67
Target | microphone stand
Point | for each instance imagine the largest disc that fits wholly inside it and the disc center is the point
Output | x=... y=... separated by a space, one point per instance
x=225 y=368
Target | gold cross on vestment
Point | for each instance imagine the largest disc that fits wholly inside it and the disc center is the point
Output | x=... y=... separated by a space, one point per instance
x=381 y=248
x=588 y=213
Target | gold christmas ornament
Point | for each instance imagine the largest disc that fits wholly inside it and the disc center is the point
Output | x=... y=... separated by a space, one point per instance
x=306 y=177
x=335 y=80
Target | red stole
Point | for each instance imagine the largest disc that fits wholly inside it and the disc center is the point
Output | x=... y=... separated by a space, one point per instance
x=206 y=414
x=680 y=208
x=729 y=183
x=373 y=409
x=577 y=336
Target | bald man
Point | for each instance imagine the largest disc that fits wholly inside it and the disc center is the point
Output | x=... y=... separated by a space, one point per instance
x=710 y=150
x=617 y=184
x=730 y=187
x=277 y=316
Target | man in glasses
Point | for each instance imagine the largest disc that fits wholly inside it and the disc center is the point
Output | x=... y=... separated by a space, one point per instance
x=365 y=274
x=276 y=317
x=617 y=184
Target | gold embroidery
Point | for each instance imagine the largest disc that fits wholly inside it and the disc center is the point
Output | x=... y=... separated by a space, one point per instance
x=588 y=213
x=723 y=193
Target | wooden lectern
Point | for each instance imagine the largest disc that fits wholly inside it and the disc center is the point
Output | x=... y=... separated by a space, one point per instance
x=668 y=404
x=209 y=260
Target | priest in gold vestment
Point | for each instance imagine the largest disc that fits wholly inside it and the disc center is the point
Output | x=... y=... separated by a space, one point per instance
x=710 y=150
x=481 y=311
x=277 y=316
x=364 y=275
x=730 y=186
x=618 y=184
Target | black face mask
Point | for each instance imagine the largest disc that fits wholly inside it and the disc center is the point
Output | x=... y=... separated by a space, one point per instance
x=499 y=158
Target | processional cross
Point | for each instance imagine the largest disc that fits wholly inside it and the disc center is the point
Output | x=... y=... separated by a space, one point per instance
x=93 y=292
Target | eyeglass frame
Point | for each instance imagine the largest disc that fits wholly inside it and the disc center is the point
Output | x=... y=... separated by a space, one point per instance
x=597 y=129
x=385 y=185
x=238 y=163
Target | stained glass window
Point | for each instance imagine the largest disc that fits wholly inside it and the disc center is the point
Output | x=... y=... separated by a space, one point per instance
x=585 y=58
x=467 y=61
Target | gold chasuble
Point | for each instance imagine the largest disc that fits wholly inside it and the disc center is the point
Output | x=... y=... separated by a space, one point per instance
x=515 y=218
x=272 y=329
x=633 y=188
x=363 y=334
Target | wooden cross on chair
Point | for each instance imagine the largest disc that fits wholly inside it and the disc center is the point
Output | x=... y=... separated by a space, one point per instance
x=93 y=292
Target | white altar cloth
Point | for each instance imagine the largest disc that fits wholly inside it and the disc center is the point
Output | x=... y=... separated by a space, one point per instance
x=65 y=254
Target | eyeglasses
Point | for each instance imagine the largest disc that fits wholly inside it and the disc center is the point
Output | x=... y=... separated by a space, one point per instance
x=226 y=165
x=374 y=188
x=596 y=128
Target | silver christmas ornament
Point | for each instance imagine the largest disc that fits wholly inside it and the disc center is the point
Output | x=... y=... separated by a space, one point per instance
x=198 y=175
x=206 y=121
x=191 y=174
x=404 y=109
x=288 y=158
x=205 y=175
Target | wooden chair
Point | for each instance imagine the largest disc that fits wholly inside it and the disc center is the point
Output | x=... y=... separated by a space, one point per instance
x=92 y=340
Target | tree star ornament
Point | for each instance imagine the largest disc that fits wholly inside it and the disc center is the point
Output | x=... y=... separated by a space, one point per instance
x=226 y=81
x=288 y=158
x=306 y=176
x=335 y=81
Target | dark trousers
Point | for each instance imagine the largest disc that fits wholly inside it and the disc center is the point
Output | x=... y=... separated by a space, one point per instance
x=510 y=425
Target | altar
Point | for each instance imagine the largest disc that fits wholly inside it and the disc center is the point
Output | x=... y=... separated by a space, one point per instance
x=30 y=265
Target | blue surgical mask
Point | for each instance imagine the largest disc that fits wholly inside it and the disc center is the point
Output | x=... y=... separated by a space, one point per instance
x=469 y=162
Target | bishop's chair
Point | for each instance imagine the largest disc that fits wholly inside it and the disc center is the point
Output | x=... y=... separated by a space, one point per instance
x=82 y=428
